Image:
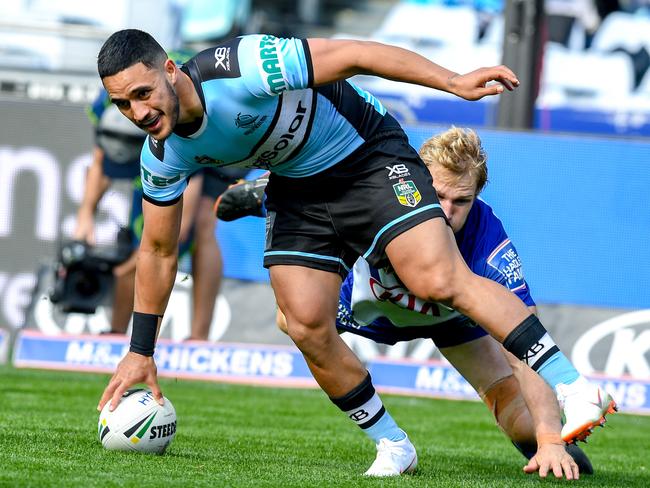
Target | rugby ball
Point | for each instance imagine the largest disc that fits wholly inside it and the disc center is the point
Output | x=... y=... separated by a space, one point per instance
x=138 y=423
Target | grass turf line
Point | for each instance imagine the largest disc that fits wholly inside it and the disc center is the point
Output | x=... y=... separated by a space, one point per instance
x=230 y=435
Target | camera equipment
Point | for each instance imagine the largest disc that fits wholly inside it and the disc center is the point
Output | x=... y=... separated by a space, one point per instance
x=84 y=273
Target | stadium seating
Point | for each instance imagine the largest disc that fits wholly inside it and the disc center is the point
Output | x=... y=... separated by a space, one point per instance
x=429 y=25
x=644 y=86
x=494 y=31
x=621 y=30
x=584 y=78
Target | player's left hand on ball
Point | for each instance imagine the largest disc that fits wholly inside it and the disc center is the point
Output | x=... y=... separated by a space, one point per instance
x=133 y=368
x=554 y=458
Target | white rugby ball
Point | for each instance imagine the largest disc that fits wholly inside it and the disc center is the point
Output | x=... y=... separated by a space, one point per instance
x=138 y=423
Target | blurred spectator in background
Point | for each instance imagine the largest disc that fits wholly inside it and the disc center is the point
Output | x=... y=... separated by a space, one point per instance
x=486 y=10
x=116 y=155
x=208 y=21
x=565 y=17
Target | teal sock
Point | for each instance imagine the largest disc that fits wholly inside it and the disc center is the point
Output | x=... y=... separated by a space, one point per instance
x=385 y=428
x=363 y=406
x=531 y=343
x=558 y=369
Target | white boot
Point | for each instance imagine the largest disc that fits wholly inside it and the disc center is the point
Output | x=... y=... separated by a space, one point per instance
x=394 y=458
x=585 y=405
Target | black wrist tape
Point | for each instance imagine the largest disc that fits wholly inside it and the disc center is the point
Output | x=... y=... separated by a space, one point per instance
x=143 y=337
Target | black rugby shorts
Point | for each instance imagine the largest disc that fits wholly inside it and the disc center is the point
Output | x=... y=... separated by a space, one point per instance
x=354 y=208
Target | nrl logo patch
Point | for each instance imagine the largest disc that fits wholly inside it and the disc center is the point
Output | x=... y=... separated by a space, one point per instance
x=407 y=193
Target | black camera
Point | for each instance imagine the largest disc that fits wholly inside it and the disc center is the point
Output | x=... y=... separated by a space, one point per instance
x=84 y=273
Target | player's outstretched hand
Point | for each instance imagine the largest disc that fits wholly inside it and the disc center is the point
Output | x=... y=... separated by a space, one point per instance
x=483 y=82
x=133 y=368
x=552 y=457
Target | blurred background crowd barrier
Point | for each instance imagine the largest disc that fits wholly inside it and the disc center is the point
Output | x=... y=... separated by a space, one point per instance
x=571 y=190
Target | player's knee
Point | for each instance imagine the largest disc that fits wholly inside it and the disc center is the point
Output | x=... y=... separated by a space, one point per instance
x=510 y=411
x=281 y=322
x=305 y=336
x=306 y=328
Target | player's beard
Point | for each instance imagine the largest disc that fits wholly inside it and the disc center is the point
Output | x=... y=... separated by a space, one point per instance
x=169 y=111
x=175 y=107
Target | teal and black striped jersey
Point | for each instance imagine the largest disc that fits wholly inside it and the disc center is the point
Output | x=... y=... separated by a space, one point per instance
x=261 y=110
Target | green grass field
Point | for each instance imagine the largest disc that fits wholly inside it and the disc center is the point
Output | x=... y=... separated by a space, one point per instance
x=246 y=436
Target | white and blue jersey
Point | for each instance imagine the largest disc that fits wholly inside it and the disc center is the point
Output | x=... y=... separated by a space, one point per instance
x=260 y=111
x=373 y=303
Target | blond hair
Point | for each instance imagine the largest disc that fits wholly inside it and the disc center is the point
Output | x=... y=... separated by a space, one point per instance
x=460 y=152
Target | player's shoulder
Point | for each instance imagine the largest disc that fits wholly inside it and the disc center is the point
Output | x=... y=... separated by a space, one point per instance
x=220 y=61
x=482 y=233
x=485 y=223
x=153 y=150
x=162 y=173
x=167 y=156
x=228 y=58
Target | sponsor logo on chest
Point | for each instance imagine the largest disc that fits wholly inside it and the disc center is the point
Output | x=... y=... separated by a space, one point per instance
x=287 y=135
